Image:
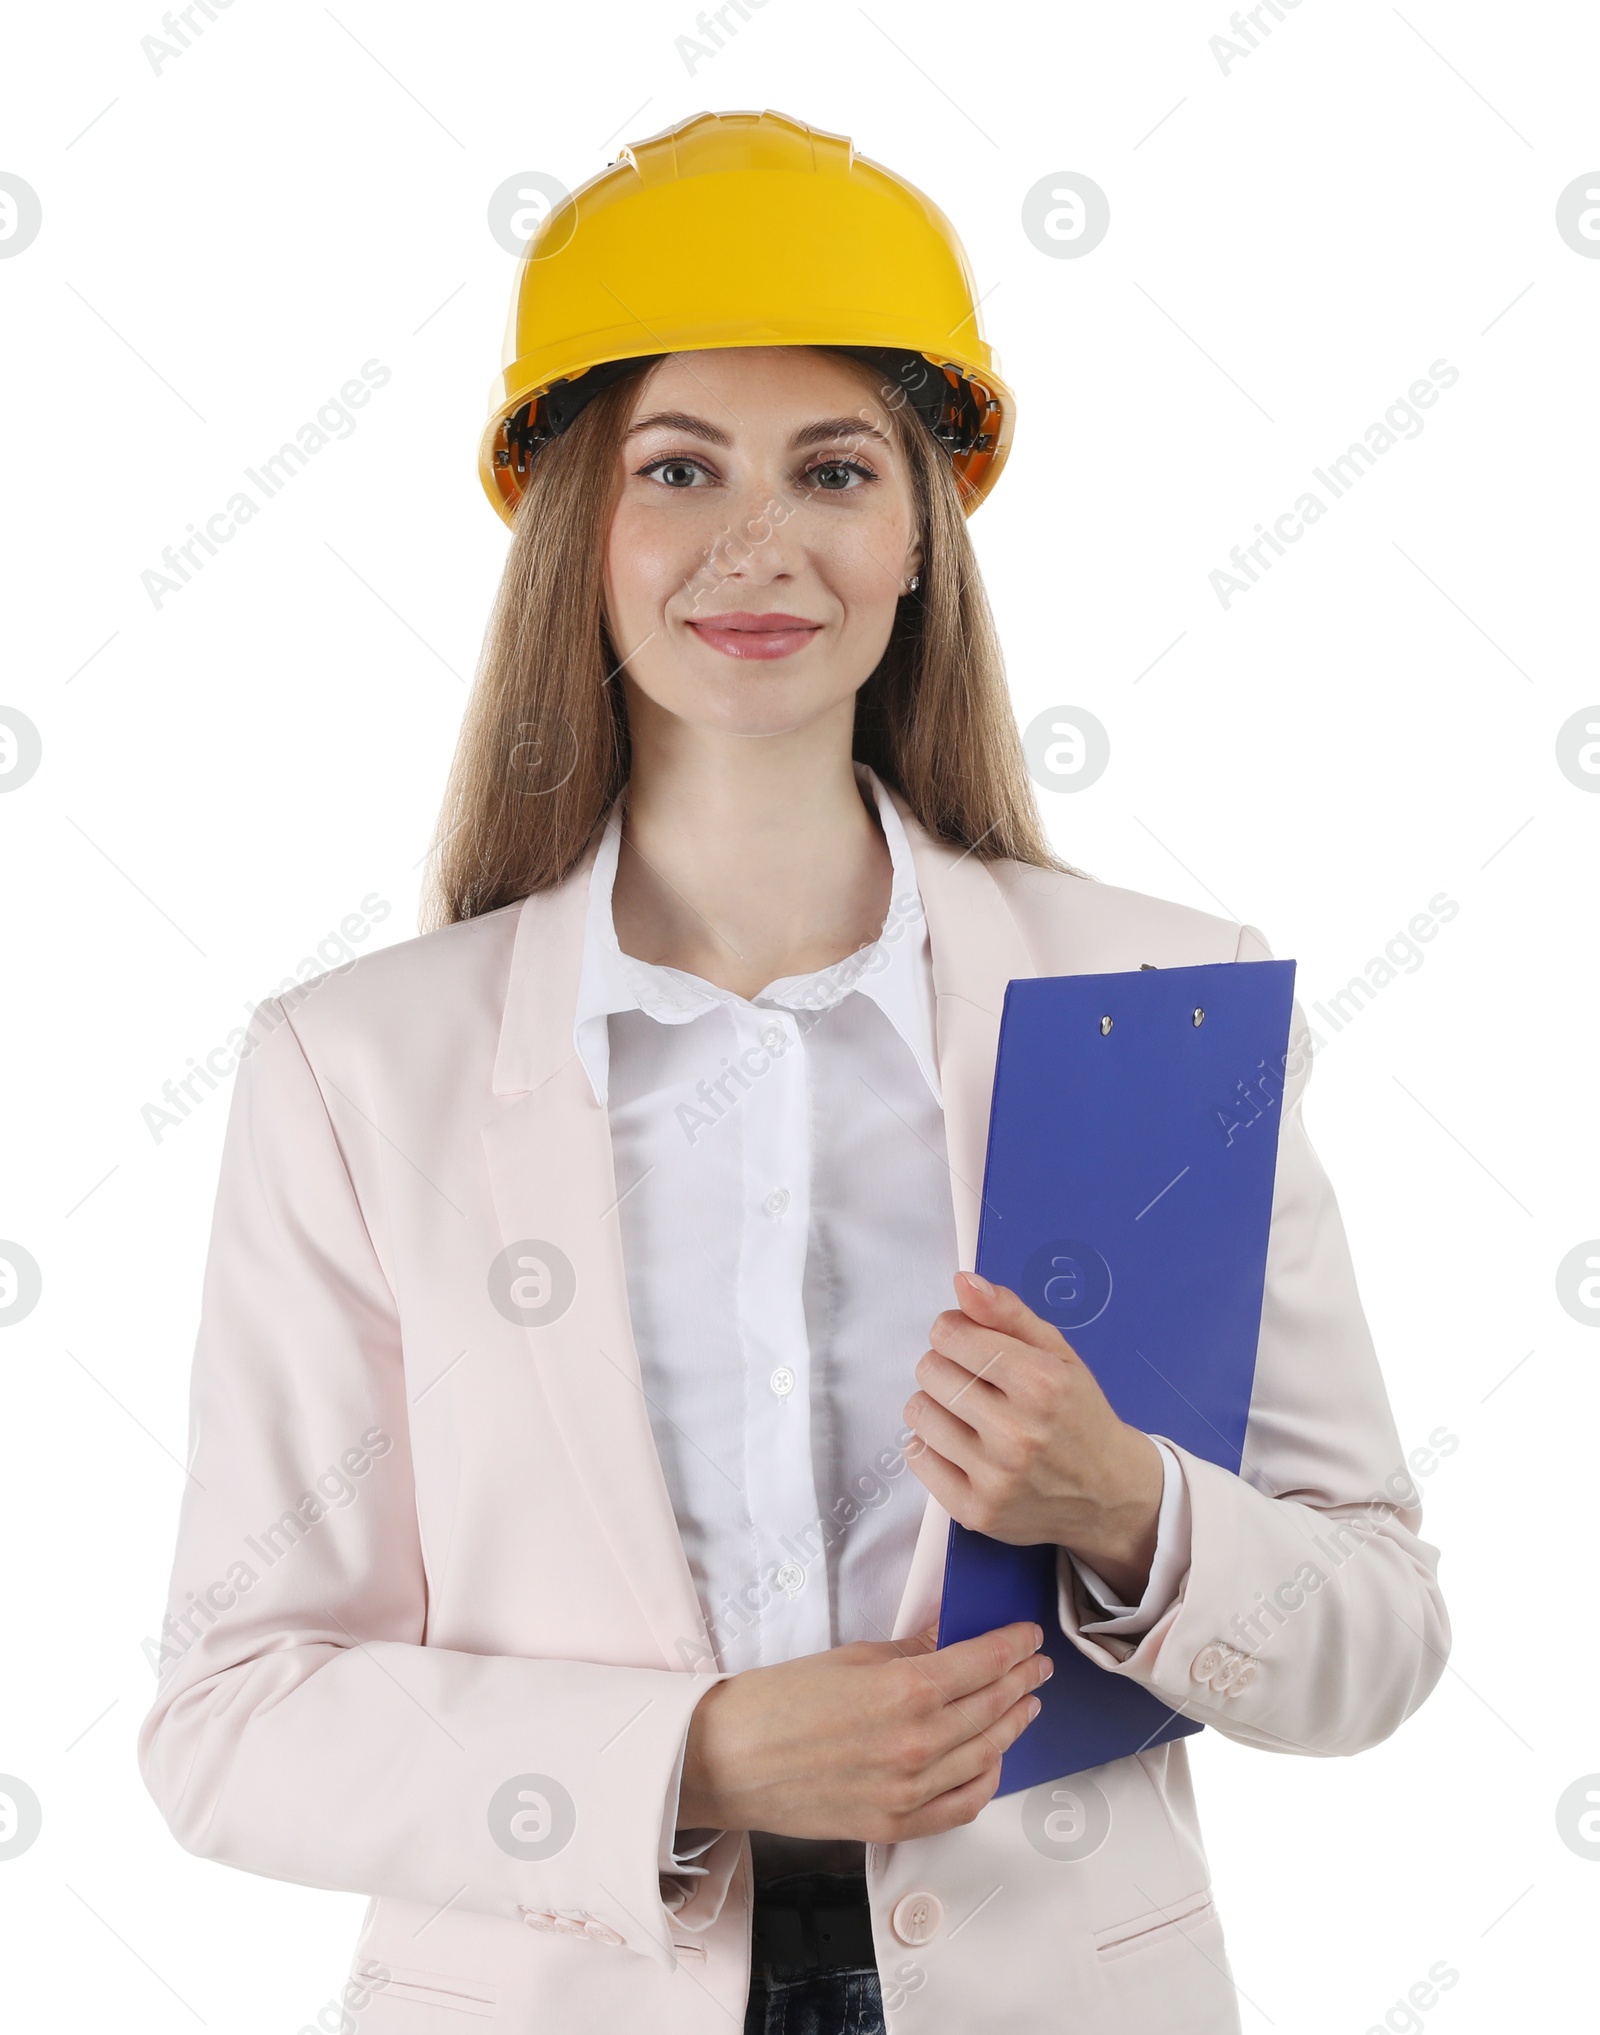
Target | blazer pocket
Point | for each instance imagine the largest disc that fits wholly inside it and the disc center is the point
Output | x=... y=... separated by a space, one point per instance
x=1177 y=1921
x=437 y=1989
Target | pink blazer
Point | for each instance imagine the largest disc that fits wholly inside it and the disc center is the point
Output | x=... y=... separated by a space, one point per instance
x=430 y=1614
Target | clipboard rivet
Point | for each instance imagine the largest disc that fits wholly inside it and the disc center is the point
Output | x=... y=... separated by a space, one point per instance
x=1105 y=1026
x=1199 y=1017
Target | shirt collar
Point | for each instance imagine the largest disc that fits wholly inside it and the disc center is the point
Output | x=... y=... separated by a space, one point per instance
x=895 y=970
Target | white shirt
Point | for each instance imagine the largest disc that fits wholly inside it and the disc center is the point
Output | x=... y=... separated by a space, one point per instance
x=788 y=1238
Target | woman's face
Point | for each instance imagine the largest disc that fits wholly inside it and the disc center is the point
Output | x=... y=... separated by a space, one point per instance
x=763 y=533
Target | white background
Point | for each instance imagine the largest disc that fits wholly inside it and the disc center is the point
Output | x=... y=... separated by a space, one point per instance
x=226 y=777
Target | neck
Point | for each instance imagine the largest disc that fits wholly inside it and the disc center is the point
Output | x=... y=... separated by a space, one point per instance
x=747 y=858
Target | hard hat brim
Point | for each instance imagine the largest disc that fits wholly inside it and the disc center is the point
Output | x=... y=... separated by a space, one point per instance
x=526 y=380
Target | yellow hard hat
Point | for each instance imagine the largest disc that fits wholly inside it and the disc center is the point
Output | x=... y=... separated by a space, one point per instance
x=744 y=229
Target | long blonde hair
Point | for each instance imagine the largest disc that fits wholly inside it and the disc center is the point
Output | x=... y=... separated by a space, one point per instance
x=544 y=748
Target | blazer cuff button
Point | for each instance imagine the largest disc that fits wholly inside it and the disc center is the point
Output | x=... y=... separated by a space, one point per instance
x=1206 y=1662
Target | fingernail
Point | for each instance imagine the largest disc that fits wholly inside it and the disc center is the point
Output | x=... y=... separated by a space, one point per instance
x=982 y=1285
x=1034 y=1707
x=1049 y=1667
x=1038 y=1637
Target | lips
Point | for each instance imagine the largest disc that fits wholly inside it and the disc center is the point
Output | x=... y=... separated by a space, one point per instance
x=761 y=636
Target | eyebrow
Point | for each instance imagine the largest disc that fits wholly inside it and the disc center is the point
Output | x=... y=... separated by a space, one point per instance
x=823 y=431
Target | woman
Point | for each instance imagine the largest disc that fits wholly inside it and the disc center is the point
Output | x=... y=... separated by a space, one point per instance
x=579 y=1405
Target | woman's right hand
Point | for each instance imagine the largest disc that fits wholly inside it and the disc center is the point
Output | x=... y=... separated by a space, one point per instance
x=877 y=1741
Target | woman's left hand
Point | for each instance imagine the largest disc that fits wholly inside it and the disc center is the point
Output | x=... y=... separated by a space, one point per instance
x=1020 y=1443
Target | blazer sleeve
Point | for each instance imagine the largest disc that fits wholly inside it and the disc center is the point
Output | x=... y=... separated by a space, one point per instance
x=303 y=1728
x=1310 y=1619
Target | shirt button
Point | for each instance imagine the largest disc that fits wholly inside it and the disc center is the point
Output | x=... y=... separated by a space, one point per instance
x=782 y=1381
x=917 y=1917
x=791 y=1577
x=776 y=1202
x=774 y=1038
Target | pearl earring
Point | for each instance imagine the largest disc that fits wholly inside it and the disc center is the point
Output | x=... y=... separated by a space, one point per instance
x=916 y=581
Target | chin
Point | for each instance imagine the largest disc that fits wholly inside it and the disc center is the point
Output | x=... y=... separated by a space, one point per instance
x=753 y=699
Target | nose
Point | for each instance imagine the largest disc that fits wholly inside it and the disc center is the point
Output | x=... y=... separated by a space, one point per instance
x=760 y=541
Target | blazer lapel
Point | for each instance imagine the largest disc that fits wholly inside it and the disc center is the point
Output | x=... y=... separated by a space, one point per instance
x=976 y=948
x=548 y=1150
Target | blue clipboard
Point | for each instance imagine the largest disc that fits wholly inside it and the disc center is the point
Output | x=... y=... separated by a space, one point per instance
x=1127 y=1197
